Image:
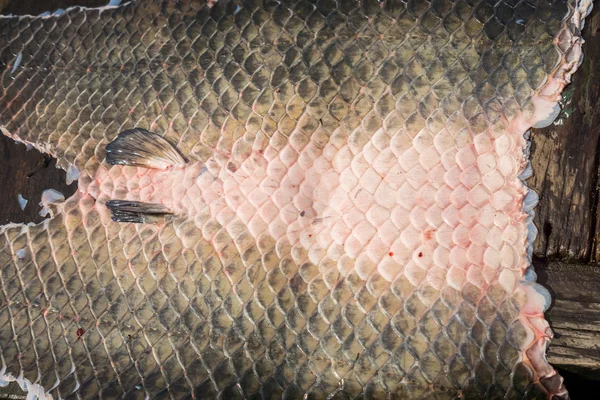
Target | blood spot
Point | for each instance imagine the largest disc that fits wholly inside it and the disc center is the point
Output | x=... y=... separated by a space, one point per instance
x=428 y=234
x=80 y=332
x=391 y=253
x=420 y=254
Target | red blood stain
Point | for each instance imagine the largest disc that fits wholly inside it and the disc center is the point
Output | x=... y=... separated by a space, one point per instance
x=391 y=253
x=429 y=234
x=80 y=332
x=420 y=254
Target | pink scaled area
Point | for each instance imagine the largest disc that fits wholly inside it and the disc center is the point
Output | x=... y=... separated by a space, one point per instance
x=419 y=205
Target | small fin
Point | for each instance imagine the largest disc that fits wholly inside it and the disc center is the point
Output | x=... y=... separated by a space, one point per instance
x=142 y=148
x=136 y=211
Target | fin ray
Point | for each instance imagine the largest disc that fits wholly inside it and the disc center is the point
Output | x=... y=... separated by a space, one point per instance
x=142 y=148
x=136 y=211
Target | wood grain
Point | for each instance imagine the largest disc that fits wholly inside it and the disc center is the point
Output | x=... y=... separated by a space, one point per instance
x=574 y=315
x=565 y=162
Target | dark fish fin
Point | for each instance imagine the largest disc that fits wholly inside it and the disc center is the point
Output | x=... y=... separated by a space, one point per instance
x=142 y=148
x=136 y=211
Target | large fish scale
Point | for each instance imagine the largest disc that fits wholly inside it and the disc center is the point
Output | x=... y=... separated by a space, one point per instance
x=351 y=222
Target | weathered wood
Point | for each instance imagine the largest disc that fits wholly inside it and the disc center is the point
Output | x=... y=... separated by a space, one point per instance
x=574 y=315
x=565 y=162
x=16 y=163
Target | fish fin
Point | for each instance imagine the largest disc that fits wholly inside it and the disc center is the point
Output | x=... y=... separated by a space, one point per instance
x=136 y=211
x=142 y=148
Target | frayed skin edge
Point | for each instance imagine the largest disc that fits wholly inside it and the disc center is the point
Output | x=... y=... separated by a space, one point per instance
x=538 y=297
x=33 y=390
x=112 y=4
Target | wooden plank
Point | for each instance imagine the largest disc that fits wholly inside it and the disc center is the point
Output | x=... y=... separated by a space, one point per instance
x=16 y=164
x=565 y=162
x=574 y=315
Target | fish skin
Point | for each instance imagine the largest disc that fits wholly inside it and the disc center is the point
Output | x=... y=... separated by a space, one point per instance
x=231 y=297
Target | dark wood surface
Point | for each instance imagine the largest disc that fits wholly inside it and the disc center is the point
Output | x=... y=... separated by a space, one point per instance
x=28 y=173
x=565 y=163
x=575 y=320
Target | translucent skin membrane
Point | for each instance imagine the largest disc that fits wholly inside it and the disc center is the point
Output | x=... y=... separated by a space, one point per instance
x=351 y=219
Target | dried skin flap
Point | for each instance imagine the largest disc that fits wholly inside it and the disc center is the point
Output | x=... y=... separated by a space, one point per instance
x=351 y=219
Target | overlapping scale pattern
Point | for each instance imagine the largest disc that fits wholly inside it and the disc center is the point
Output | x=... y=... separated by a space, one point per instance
x=351 y=220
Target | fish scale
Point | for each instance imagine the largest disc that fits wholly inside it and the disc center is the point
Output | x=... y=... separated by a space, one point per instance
x=350 y=222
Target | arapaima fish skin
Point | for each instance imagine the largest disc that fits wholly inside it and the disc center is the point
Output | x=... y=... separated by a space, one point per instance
x=299 y=199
